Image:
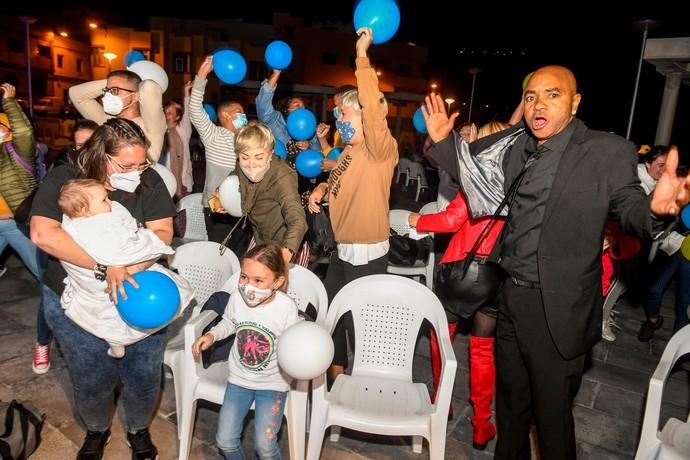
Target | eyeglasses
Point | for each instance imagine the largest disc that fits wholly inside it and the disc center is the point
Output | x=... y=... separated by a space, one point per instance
x=115 y=90
x=142 y=167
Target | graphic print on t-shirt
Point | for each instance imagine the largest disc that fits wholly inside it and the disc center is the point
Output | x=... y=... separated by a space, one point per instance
x=255 y=345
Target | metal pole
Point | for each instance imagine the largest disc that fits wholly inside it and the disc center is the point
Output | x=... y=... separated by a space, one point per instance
x=27 y=20
x=645 y=25
x=474 y=73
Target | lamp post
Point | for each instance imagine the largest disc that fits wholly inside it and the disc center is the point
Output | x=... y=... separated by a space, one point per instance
x=474 y=71
x=645 y=26
x=27 y=22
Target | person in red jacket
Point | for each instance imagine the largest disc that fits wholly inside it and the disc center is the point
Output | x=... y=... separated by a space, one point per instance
x=468 y=293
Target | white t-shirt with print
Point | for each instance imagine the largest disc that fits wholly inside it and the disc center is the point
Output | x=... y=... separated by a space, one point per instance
x=253 y=360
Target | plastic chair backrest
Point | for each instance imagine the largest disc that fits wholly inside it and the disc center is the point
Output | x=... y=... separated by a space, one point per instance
x=201 y=263
x=429 y=208
x=195 y=224
x=387 y=311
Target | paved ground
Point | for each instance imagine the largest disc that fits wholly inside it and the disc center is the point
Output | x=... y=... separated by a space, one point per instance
x=608 y=410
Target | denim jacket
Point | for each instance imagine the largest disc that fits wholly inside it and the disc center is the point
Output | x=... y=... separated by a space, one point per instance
x=273 y=119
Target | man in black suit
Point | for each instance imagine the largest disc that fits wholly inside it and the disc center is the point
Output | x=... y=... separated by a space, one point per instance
x=568 y=180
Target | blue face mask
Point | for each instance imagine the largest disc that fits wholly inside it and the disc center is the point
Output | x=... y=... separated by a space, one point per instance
x=240 y=121
x=336 y=112
x=346 y=131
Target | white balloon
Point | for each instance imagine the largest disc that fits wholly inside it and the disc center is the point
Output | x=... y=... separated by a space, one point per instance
x=305 y=350
x=229 y=193
x=149 y=70
x=168 y=178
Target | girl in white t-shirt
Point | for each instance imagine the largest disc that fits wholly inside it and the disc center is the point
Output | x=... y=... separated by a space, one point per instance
x=258 y=313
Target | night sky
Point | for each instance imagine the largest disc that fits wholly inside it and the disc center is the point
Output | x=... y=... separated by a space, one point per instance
x=601 y=48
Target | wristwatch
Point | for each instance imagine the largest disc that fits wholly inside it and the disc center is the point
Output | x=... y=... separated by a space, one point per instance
x=100 y=271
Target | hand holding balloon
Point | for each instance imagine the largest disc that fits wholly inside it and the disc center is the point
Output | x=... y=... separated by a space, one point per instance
x=205 y=68
x=364 y=41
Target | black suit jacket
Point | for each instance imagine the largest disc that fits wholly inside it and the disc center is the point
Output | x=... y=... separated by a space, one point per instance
x=596 y=179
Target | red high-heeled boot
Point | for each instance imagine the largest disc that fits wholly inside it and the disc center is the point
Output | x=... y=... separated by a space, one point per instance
x=482 y=384
x=436 y=361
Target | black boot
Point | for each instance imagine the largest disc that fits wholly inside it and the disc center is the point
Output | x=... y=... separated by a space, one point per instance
x=93 y=446
x=142 y=447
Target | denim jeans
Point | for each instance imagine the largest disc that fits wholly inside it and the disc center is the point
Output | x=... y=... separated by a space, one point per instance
x=95 y=375
x=11 y=235
x=662 y=272
x=268 y=416
x=43 y=333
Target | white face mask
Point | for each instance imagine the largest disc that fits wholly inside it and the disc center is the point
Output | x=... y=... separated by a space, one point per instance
x=127 y=182
x=254 y=296
x=2 y=137
x=112 y=105
x=256 y=174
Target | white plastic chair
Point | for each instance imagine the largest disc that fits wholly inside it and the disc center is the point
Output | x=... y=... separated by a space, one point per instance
x=403 y=167
x=423 y=268
x=415 y=170
x=203 y=265
x=380 y=396
x=209 y=384
x=200 y=263
x=651 y=446
x=195 y=224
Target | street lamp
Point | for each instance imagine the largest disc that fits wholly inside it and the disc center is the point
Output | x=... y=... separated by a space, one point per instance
x=645 y=26
x=474 y=71
x=449 y=101
x=28 y=21
x=109 y=57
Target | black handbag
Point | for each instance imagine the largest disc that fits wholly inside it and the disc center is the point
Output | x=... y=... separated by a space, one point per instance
x=320 y=233
x=20 y=430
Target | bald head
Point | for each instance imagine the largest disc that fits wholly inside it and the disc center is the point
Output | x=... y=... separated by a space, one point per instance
x=551 y=101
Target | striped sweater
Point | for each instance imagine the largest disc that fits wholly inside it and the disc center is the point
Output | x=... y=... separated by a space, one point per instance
x=219 y=143
x=17 y=182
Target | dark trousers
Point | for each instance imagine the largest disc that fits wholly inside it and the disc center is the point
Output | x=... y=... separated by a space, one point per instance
x=534 y=382
x=339 y=274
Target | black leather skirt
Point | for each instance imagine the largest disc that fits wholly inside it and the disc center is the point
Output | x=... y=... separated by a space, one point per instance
x=462 y=296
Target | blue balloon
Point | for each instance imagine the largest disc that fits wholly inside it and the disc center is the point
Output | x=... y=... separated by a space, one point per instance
x=153 y=304
x=301 y=124
x=210 y=111
x=229 y=65
x=280 y=149
x=334 y=154
x=685 y=216
x=134 y=56
x=382 y=16
x=278 y=55
x=308 y=163
x=418 y=121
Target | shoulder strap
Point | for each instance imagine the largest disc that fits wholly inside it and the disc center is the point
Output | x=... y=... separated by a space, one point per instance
x=13 y=152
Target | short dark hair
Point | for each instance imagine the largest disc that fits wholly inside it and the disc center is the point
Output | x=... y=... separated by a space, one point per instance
x=126 y=74
x=654 y=153
x=85 y=124
x=223 y=106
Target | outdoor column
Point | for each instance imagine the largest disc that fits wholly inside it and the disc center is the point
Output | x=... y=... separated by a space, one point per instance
x=668 y=108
